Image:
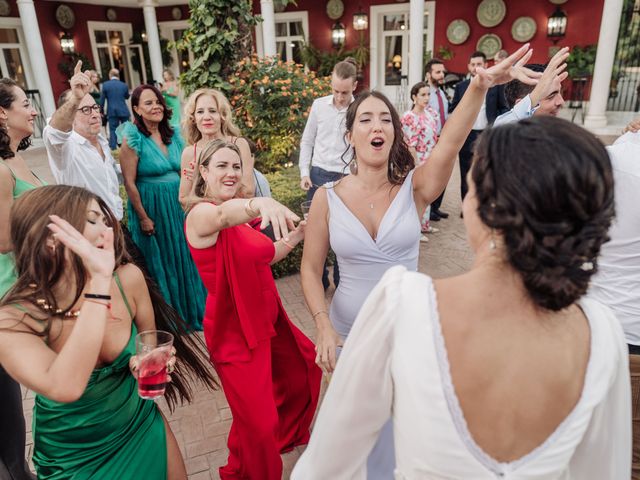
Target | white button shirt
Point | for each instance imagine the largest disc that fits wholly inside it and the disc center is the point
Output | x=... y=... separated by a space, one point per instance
x=617 y=283
x=74 y=161
x=323 y=142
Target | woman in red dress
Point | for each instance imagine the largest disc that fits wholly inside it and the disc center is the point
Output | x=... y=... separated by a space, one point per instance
x=266 y=365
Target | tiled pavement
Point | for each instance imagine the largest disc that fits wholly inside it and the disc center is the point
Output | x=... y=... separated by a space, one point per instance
x=201 y=428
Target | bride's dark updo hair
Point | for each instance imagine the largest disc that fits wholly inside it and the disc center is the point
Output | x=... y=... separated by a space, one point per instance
x=547 y=186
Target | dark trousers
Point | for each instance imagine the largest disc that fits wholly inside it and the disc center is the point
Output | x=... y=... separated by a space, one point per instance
x=634 y=371
x=465 y=156
x=113 y=124
x=435 y=205
x=13 y=465
x=318 y=178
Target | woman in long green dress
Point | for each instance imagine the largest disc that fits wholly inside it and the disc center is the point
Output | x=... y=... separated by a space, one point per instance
x=16 y=128
x=150 y=160
x=67 y=332
x=171 y=93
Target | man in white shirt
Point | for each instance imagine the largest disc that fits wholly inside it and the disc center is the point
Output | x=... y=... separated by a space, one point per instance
x=617 y=282
x=434 y=76
x=78 y=153
x=324 y=150
x=543 y=99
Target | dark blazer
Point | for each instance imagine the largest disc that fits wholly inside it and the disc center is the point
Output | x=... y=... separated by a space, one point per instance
x=115 y=92
x=495 y=102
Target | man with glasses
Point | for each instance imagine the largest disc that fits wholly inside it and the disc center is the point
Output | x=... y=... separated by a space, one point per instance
x=78 y=153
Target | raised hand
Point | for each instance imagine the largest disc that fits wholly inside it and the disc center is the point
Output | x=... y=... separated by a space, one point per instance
x=80 y=82
x=280 y=217
x=552 y=77
x=509 y=69
x=98 y=259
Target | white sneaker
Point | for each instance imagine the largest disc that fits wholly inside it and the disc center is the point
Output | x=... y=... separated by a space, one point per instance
x=424 y=238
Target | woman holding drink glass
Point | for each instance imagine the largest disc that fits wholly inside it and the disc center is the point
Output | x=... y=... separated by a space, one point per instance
x=264 y=362
x=67 y=332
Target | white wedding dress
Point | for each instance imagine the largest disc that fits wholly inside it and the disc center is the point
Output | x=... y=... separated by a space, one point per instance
x=394 y=363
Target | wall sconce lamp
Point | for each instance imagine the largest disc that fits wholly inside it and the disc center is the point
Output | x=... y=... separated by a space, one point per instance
x=360 y=20
x=67 y=44
x=338 y=35
x=557 y=25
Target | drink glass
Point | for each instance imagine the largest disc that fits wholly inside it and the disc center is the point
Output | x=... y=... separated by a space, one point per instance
x=305 y=207
x=153 y=349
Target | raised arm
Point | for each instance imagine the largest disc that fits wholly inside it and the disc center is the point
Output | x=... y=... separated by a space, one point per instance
x=431 y=178
x=316 y=247
x=80 y=85
x=6 y=200
x=187 y=164
x=248 y=182
x=62 y=376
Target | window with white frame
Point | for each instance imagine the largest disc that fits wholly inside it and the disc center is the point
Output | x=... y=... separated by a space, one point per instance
x=291 y=34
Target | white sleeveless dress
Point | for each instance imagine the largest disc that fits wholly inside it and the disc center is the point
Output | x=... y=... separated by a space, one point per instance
x=363 y=261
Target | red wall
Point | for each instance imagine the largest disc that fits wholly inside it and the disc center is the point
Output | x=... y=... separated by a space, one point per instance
x=583 y=24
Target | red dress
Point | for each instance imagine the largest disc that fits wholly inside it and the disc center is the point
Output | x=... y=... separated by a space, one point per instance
x=265 y=363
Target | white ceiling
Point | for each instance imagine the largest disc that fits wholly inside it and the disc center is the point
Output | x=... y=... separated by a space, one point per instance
x=124 y=3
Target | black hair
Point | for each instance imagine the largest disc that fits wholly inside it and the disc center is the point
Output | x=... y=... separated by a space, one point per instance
x=478 y=54
x=515 y=89
x=165 y=129
x=431 y=63
x=400 y=159
x=547 y=186
x=415 y=89
x=6 y=99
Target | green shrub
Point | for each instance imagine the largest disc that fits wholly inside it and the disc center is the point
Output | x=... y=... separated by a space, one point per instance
x=285 y=188
x=271 y=101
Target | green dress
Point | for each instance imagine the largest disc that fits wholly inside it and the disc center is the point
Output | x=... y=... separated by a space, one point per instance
x=109 y=433
x=8 y=275
x=174 y=104
x=166 y=253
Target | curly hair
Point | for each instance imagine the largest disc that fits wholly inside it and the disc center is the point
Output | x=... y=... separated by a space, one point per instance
x=547 y=186
x=165 y=129
x=400 y=159
x=227 y=126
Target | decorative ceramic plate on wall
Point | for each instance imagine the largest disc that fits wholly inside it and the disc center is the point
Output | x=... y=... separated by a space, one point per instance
x=491 y=12
x=458 y=31
x=5 y=8
x=558 y=2
x=523 y=29
x=65 y=17
x=489 y=44
x=335 y=9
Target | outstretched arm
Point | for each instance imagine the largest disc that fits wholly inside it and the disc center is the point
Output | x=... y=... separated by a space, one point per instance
x=431 y=178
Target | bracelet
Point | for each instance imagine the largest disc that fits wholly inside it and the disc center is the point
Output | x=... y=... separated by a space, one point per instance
x=318 y=313
x=287 y=243
x=97 y=296
x=249 y=209
x=98 y=302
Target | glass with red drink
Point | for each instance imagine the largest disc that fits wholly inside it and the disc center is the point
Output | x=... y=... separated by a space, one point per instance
x=153 y=349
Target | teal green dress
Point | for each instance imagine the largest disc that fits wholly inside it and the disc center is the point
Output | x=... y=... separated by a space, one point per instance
x=8 y=275
x=174 y=104
x=109 y=433
x=166 y=253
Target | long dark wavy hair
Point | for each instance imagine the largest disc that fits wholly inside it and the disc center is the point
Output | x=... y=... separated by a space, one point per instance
x=166 y=131
x=7 y=97
x=39 y=270
x=400 y=159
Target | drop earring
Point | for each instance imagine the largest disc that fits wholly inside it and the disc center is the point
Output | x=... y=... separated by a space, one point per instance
x=492 y=242
x=353 y=166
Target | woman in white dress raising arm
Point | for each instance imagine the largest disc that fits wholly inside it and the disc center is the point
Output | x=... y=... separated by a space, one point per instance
x=504 y=371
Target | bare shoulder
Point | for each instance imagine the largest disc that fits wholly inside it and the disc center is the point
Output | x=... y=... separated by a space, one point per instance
x=187 y=155
x=130 y=275
x=12 y=320
x=201 y=210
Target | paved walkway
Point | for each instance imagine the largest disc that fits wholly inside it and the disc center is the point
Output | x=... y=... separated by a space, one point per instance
x=201 y=428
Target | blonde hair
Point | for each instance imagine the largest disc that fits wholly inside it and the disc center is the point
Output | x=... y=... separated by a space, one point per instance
x=227 y=126
x=199 y=187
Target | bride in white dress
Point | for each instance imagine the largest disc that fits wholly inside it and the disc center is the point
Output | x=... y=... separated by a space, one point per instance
x=505 y=371
x=372 y=218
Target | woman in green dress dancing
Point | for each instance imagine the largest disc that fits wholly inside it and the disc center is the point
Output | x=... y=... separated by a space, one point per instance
x=150 y=160
x=171 y=93
x=67 y=331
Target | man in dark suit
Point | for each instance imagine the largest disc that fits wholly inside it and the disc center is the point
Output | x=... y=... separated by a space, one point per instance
x=494 y=105
x=115 y=92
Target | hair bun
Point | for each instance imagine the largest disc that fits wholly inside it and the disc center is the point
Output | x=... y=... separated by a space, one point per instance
x=351 y=60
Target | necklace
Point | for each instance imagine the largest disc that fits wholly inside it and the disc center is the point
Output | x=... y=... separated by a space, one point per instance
x=42 y=303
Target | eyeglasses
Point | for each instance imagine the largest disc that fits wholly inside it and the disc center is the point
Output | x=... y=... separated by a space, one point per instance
x=88 y=109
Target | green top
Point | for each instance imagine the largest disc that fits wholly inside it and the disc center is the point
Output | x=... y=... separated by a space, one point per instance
x=8 y=275
x=109 y=433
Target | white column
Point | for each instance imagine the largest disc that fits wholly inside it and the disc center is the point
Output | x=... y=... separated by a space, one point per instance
x=36 y=55
x=268 y=27
x=609 y=27
x=153 y=39
x=416 y=45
